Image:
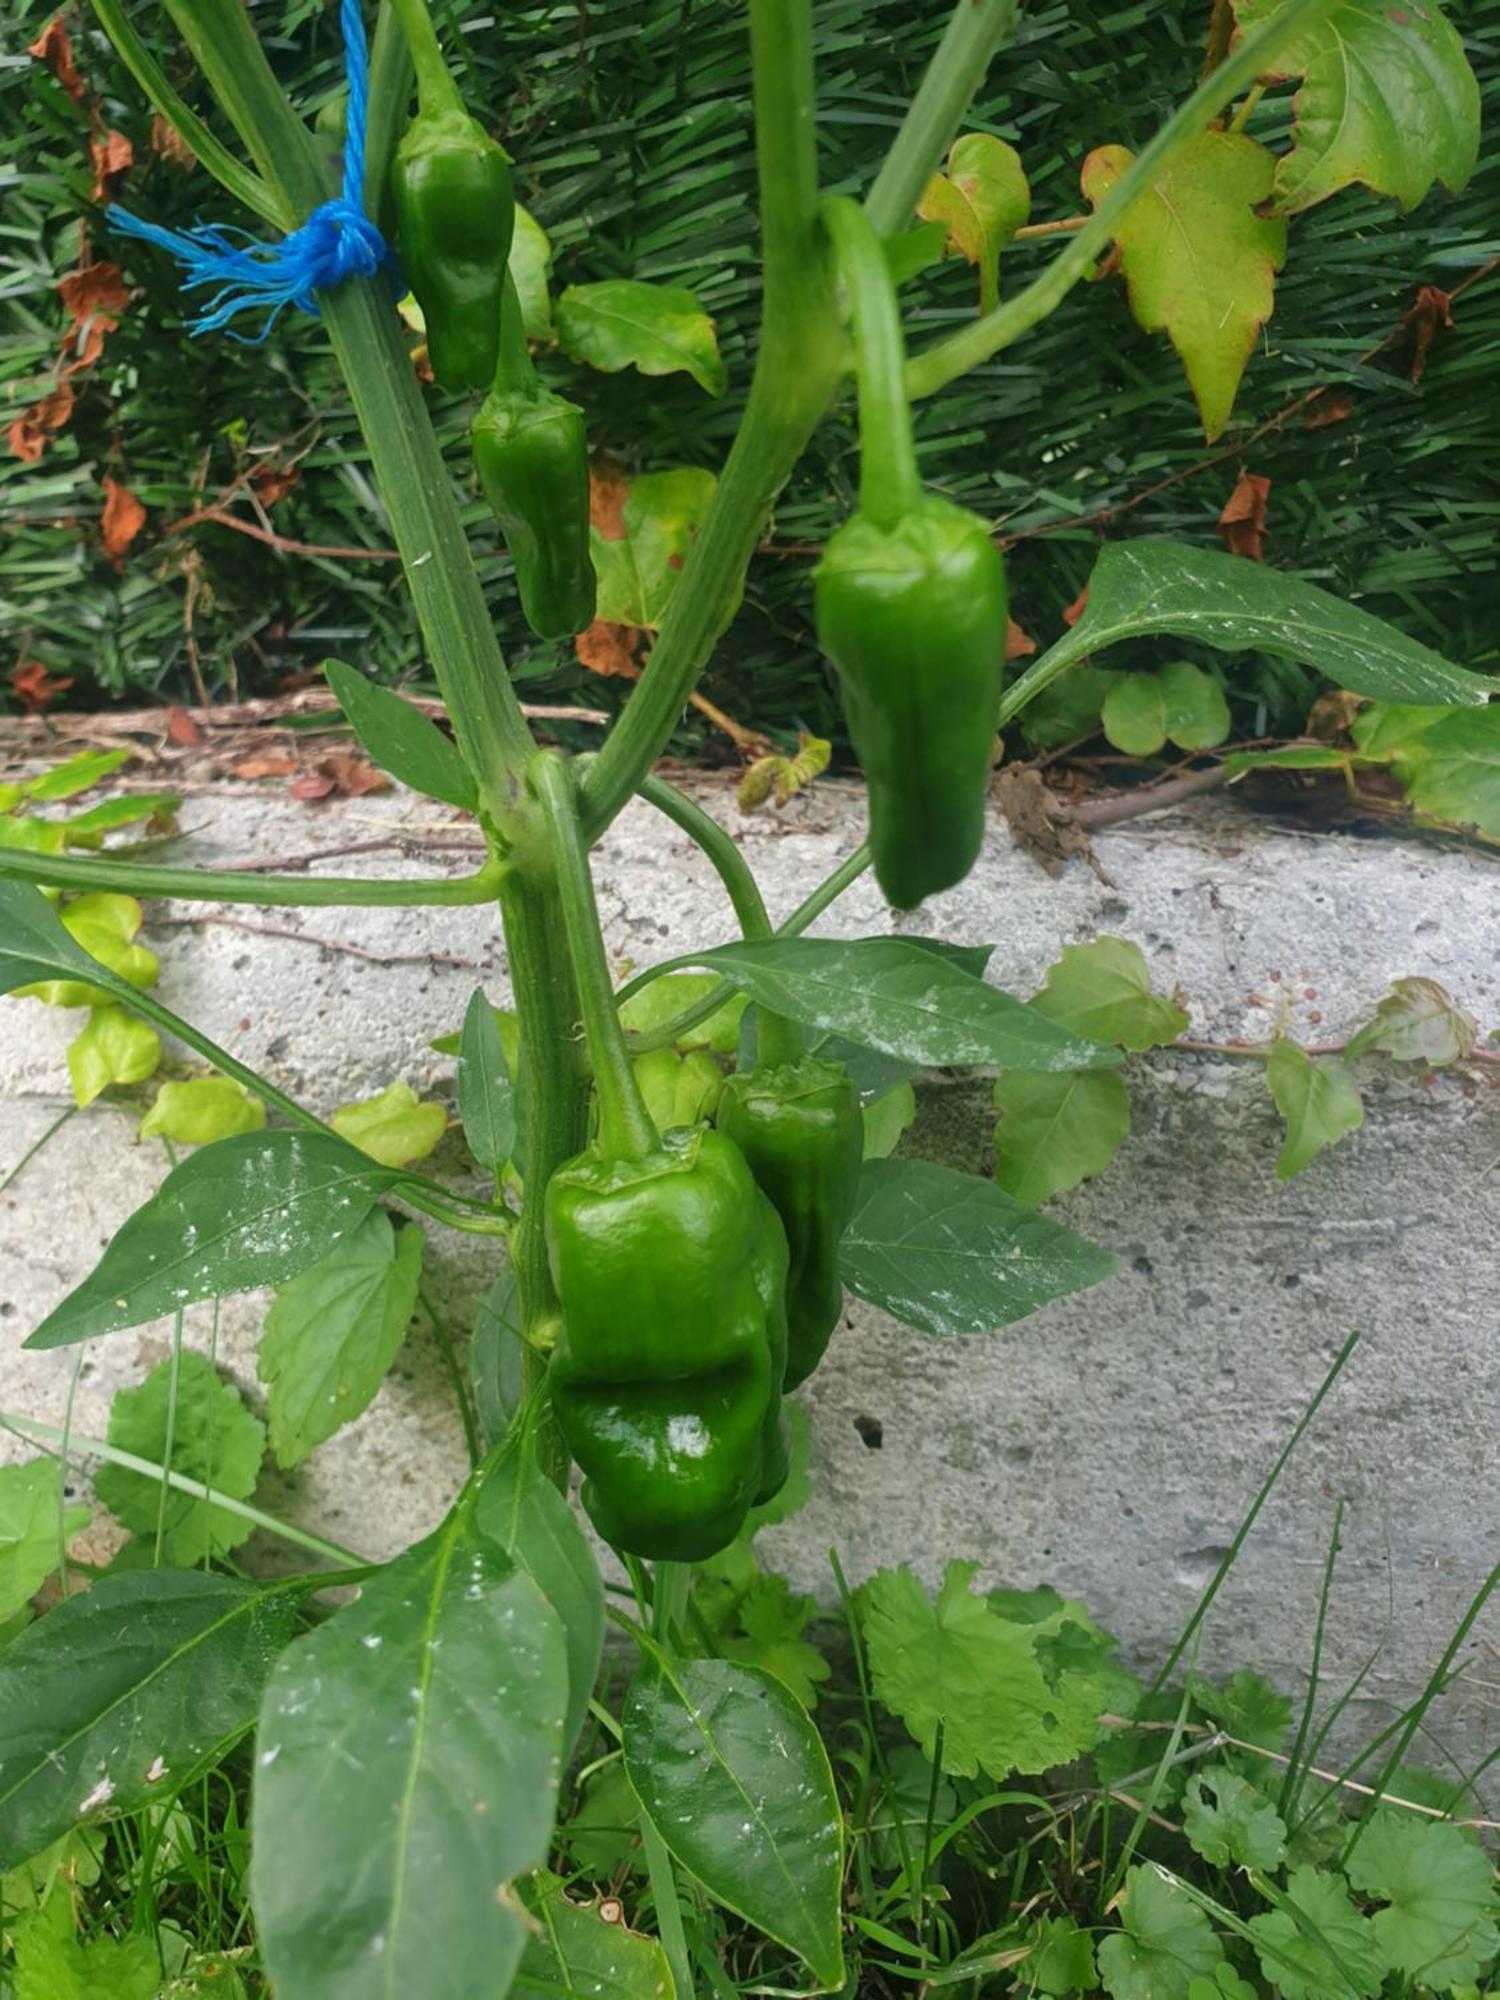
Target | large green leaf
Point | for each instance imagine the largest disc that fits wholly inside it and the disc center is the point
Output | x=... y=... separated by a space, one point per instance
x=33 y=1520
x=659 y=329
x=893 y=995
x=115 y=1698
x=1450 y=768
x=1166 y=1942
x=950 y=1253
x=1141 y=588
x=251 y=1210
x=406 y=1773
x=735 y=1779
x=1437 y=1926
x=333 y=1331
x=1315 y=1945
x=400 y=738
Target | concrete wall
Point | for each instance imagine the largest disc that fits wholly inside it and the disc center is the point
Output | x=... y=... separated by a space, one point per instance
x=1110 y=1444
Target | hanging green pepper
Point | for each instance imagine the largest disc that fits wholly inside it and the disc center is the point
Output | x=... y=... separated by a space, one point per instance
x=800 y=1128
x=531 y=453
x=911 y=608
x=455 y=212
x=670 y=1270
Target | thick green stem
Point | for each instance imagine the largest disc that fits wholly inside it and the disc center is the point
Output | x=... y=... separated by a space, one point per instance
x=974 y=32
x=515 y=372
x=228 y=885
x=944 y=362
x=890 y=486
x=625 y=1128
x=797 y=367
x=721 y=849
x=436 y=90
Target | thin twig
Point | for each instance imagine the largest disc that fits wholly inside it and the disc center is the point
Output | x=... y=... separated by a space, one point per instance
x=1259 y=1051
x=1093 y=814
x=323 y=943
x=283 y=544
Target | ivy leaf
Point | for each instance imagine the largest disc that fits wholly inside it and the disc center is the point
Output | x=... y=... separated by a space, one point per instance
x=1179 y=703
x=104 y=925
x=958 y=1663
x=213 y=1437
x=1199 y=260
x=886 y=1118
x=982 y=199
x=394 y=1128
x=1102 y=990
x=1417 y=1021
x=1388 y=99
x=29 y=1531
x=530 y=261
x=1438 y=1924
x=1167 y=1941
x=659 y=329
x=1332 y=1955
x=333 y=1331
x=1056 y=1131
x=201 y=1110
x=1230 y=1824
x=637 y=568
x=581 y=1950
x=112 y=1047
x=1319 y=1100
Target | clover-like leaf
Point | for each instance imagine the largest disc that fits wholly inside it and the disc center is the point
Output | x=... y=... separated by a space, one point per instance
x=1179 y=704
x=200 y=1429
x=982 y=199
x=396 y=1127
x=1102 y=989
x=1229 y=1823
x=1166 y=1943
x=1199 y=260
x=1331 y=1952
x=659 y=521
x=202 y=1109
x=1438 y=1926
x=659 y=329
x=1319 y=1100
x=111 y=1047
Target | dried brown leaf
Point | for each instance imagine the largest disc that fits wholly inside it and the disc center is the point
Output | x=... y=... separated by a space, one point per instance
x=1242 y=524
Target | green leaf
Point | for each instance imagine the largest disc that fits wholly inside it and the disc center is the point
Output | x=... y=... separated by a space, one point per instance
x=521 y=1511
x=1179 y=703
x=1245 y=1706
x=1318 y=1099
x=735 y=1780
x=764 y=1629
x=891 y=995
x=495 y=1357
x=1061 y=1961
x=1438 y=1924
x=1102 y=990
x=673 y=994
x=213 y=1438
x=82 y=829
x=1069 y=708
x=52 y=1964
x=333 y=1331
x=1141 y=588
x=202 y=1109
x=581 y=1951
x=486 y=1095
x=111 y=1047
x=1199 y=257
x=950 y=1253
x=637 y=570
x=396 y=1127
x=113 y=1700
x=914 y=250
x=1056 y=1131
x=1417 y=1021
x=1387 y=100
x=530 y=261
x=1226 y=1984
x=1167 y=1941
x=886 y=1118
x=1450 y=770
x=247 y=1211
x=982 y=200
x=65 y=780
x=659 y=329
x=401 y=739
x=1291 y=757
x=1331 y=1954
x=959 y=1664
x=103 y=927
x=603 y=1837
x=406 y=1773
x=1230 y=1824
x=33 y=1521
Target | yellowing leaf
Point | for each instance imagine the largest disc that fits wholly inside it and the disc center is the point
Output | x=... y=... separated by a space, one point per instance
x=395 y=1128
x=982 y=199
x=105 y=925
x=1418 y=1021
x=202 y=1109
x=1199 y=262
x=112 y=1047
x=638 y=569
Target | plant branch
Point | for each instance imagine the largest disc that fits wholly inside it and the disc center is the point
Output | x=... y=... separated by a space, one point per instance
x=205 y=885
x=721 y=849
x=890 y=486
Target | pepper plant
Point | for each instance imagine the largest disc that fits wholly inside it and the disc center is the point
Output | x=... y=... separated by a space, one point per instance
x=671 y=1251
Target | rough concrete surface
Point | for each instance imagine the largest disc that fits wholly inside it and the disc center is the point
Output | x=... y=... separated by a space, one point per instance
x=1110 y=1444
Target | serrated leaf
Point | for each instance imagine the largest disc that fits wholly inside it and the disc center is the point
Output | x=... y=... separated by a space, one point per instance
x=102 y=927
x=1438 y=1926
x=1318 y=1099
x=1417 y=1021
x=486 y=1095
x=637 y=570
x=332 y=1332
x=1102 y=990
x=400 y=738
x=1179 y=704
x=982 y=199
x=530 y=261
x=1230 y=1824
x=952 y=1254
x=394 y=1128
x=659 y=329
x=1331 y=1954
x=1245 y=1706
x=1388 y=100
x=406 y=1774
x=582 y=1950
x=111 y=1047
x=52 y=1964
x=1166 y=1942
x=115 y=1698
x=1061 y=1959
x=766 y=1632
x=957 y=1663
x=202 y=1109
x=33 y=1520
x=212 y=1437
x=1056 y=1131
x=1199 y=260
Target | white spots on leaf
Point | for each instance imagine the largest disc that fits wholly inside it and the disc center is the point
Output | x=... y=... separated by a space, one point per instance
x=98 y=1798
x=158 y=1769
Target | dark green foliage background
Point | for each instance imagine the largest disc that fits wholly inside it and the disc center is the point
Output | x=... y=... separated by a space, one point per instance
x=630 y=128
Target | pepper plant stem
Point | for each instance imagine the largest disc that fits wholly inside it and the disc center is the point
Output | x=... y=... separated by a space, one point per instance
x=436 y=90
x=974 y=32
x=721 y=849
x=890 y=487
x=208 y=885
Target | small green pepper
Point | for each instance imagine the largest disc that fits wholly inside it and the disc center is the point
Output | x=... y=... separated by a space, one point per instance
x=455 y=214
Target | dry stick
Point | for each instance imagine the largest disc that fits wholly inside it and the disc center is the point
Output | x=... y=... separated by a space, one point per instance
x=283 y=544
x=248 y=714
x=1093 y=814
x=323 y=943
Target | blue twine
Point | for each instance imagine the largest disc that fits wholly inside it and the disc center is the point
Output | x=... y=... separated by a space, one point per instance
x=337 y=241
